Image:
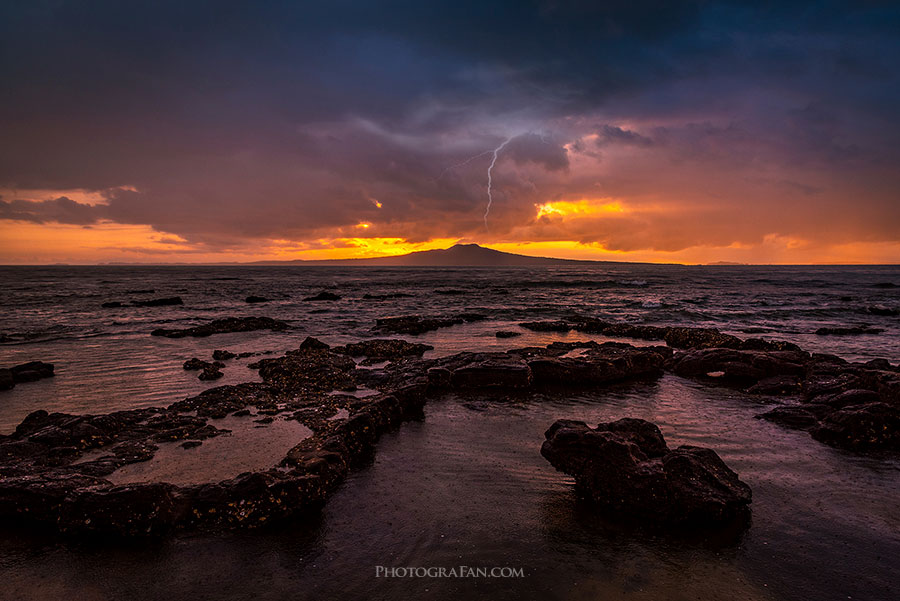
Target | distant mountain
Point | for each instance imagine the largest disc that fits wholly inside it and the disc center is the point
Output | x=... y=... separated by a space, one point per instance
x=459 y=255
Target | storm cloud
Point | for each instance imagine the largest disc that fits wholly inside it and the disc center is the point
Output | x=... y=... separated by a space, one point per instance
x=232 y=124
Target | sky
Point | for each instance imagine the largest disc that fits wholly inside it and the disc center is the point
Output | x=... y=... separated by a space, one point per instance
x=188 y=131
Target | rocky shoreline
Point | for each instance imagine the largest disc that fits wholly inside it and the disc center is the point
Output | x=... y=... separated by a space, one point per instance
x=47 y=478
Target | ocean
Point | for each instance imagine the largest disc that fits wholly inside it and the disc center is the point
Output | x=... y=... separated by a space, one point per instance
x=467 y=485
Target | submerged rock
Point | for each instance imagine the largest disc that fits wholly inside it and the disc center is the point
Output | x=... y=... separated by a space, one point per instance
x=414 y=324
x=869 y=427
x=627 y=469
x=26 y=372
x=224 y=326
x=382 y=349
x=507 y=334
x=323 y=296
x=158 y=302
x=852 y=331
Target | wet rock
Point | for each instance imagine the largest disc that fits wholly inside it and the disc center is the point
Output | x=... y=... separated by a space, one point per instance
x=623 y=330
x=439 y=377
x=818 y=384
x=627 y=469
x=739 y=368
x=224 y=326
x=700 y=338
x=382 y=349
x=158 y=302
x=852 y=331
x=882 y=364
x=869 y=427
x=777 y=386
x=311 y=343
x=306 y=370
x=31 y=371
x=222 y=400
x=130 y=510
x=6 y=379
x=797 y=417
x=414 y=324
x=599 y=364
x=546 y=326
x=388 y=296
x=323 y=296
x=41 y=496
x=210 y=372
x=848 y=398
x=221 y=355
x=492 y=370
x=256 y=299
x=882 y=310
x=507 y=334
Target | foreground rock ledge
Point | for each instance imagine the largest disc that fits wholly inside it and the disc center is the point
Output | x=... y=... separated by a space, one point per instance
x=627 y=469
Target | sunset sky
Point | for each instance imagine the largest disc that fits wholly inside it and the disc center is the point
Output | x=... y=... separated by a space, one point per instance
x=628 y=130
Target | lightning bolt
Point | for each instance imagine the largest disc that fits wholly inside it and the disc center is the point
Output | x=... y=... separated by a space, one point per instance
x=490 y=170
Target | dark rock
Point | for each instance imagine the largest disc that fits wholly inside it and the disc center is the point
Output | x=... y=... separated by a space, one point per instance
x=323 y=296
x=507 y=334
x=439 y=377
x=130 y=510
x=700 y=338
x=190 y=444
x=600 y=364
x=547 y=326
x=31 y=371
x=849 y=397
x=226 y=325
x=256 y=299
x=308 y=370
x=777 y=385
x=819 y=384
x=112 y=305
x=626 y=468
x=492 y=370
x=414 y=324
x=194 y=363
x=159 y=302
x=737 y=367
x=210 y=372
x=882 y=310
x=386 y=296
x=853 y=331
x=882 y=364
x=799 y=417
x=220 y=355
x=6 y=379
x=870 y=427
x=311 y=343
x=381 y=349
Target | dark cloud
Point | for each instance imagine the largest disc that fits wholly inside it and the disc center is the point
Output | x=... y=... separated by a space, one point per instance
x=58 y=210
x=226 y=122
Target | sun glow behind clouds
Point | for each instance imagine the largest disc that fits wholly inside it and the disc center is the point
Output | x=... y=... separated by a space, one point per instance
x=563 y=208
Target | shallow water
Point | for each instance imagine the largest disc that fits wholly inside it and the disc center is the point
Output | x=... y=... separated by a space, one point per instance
x=467 y=485
x=106 y=360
